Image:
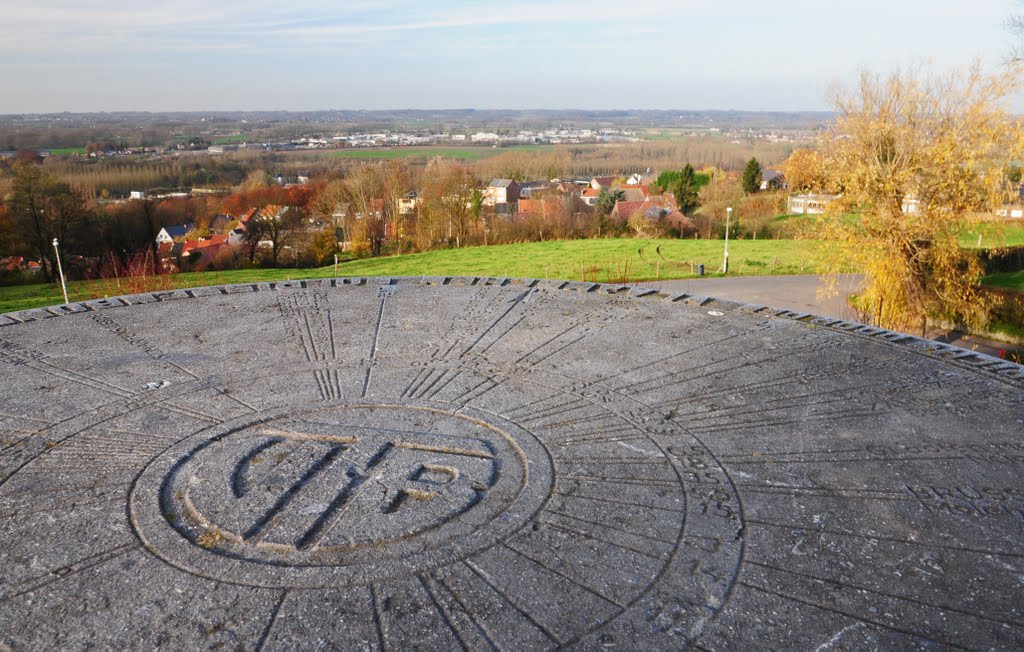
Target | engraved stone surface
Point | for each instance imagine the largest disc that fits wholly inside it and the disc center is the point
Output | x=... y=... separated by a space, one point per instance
x=480 y=463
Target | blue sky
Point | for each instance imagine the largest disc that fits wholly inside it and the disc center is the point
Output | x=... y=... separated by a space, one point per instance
x=107 y=55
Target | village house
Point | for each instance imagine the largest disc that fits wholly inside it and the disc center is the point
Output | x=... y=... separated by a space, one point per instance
x=603 y=183
x=808 y=204
x=528 y=189
x=772 y=180
x=590 y=195
x=501 y=195
x=204 y=248
x=169 y=234
x=408 y=203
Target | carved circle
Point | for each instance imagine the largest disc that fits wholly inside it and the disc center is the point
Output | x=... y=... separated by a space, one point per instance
x=350 y=493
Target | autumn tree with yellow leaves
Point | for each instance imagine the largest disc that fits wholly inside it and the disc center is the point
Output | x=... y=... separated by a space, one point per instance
x=919 y=160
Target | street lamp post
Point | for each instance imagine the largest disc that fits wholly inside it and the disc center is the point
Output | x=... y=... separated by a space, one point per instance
x=60 y=270
x=728 y=218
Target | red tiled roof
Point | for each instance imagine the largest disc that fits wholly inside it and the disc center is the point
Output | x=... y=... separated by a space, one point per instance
x=625 y=209
x=198 y=245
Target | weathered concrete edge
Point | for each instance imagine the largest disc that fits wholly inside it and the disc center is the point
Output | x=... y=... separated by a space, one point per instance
x=1002 y=369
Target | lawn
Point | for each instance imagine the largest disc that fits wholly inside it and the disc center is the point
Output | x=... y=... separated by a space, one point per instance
x=609 y=260
x=462 y=153
x=1011 y=280
x=995 y=234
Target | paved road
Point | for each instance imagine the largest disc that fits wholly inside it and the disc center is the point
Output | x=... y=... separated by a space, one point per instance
x=800 y=293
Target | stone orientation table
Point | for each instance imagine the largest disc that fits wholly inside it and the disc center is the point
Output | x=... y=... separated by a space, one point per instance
x=479 y=463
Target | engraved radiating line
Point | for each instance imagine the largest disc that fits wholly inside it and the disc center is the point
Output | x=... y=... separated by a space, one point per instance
x=24 y=418
x=874 y=459
x=475 y=392
x=872 y=537
x=623 y=502
x=424 y=381
x=549 y=341
x=328 y=383
x=195 y=414
x=564 y=576
x=423 y=392
x=138 y=342
x=481 y=394
x=733 y=457
x=377 y=624
x=781 y=381
x=645 y=482
x=653 y=460
x=408 y=390
x=556 y=411
x=273 y=621
x=444 y=612
x=622 y=433
x=912 y=600
x=576 y=421
x=75 y=377
x=606 y=526
x=850 y=615
x=236 y=399
x=667 y=379
x=28 y=460
x=500 y=337
x=593 y=537
x=70 y=570
x=437 y=391
x=838 y=416
x=665 y=359
x=557 y=351
x=479 y=572
x=487 y=330
x=837 y=492
x=480 y=626
x=330 y=333
x=373 y=345
x=311 y=352
x=376 y=331
x=366 y=382
x=551 y=410
x=320 y=385
x=787 y=403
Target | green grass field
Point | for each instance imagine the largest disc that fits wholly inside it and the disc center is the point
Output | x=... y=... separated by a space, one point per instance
x=66 y=151
x=232 y=139
x=461 y=153
x=603 y=261
x=995 y=235
x=1011 y=280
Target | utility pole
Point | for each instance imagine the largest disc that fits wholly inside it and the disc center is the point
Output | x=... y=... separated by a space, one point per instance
x=60 y=270
x=728 y=218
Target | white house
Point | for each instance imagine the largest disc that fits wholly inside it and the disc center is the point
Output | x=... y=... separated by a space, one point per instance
x=172 y=233
x=808 y=204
